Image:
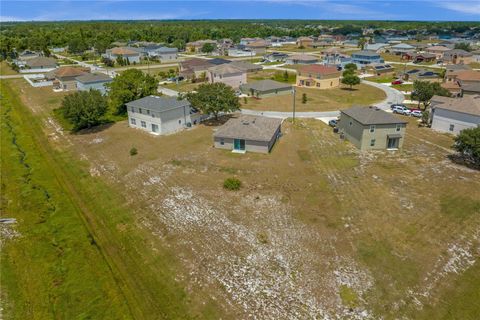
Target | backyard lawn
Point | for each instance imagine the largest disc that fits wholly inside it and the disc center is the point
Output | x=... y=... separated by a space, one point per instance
x=318 y=100
x=5 y=69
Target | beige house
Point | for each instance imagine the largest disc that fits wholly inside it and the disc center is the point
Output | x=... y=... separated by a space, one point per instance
x=318 y=77
x=65 y=77
x=458 y=56
x=228 y=74
x=196 y=46
x=370 y=128
x=248 y=133
x=304 y=42
x=437 y=51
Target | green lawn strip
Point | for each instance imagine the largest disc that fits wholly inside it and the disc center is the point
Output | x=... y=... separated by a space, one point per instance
x=106 y=259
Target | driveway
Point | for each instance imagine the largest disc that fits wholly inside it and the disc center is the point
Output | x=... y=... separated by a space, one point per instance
x=167 y=92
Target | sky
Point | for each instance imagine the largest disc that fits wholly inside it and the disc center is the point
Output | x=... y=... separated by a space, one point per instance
x=431 y=10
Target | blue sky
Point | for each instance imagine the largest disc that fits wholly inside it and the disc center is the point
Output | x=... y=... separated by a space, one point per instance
x=436 y=10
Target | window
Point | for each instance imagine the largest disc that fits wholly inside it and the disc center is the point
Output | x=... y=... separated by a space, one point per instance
x=144 y=124
x=153 y=115
x=399 y=126
x=331 y=83
x=133 y=121
x=179 y=121
x=132 y=109
x=372 y=142
x=372 y=128
x=148 y=111
x=350 y=123
x=451 y=127
x=222 y=142
x=318 y=84
x=140 y=110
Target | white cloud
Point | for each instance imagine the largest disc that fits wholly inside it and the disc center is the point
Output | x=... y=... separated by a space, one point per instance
x=10 y=18
x=466 y=7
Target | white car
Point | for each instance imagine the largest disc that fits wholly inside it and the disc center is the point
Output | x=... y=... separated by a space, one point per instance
x=416 y=113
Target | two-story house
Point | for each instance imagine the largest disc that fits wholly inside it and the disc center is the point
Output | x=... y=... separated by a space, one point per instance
x=161 y=115
x=318 y=76
x=370 y=128
x=366 y=57
x=228 y=74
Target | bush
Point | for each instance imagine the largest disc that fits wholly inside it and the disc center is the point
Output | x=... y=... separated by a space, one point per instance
x=133 y=151
x=304 y=98
x=232 y=184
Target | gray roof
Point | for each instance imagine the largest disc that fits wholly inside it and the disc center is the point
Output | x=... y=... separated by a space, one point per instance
x=466 y=104
x=366 y=53
x=159 y=104
x=265 y=85
x=246 y=66
x=249 y=128
x=371 y=115
x=93 y=77
x=41 y=62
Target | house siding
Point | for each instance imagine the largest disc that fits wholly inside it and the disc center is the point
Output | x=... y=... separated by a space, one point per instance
x=360 y=135
x=233 y=80
x=442 y=119
x=100 y=86
x=250 y=145
x=169 y=121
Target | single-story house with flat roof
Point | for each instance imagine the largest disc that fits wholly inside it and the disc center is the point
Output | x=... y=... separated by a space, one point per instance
x=248 y=133
x=41 y=64
x=370 y=128
x=95 y=81
x=161 y=115
x=265 y=88
x=452 y=115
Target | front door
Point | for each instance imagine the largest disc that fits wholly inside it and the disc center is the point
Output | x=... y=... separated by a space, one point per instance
x=392 y=143
x=238 y=144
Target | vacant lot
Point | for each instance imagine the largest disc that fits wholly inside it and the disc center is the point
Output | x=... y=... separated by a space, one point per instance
x=318 y=100
x=5 y=69
x=318 y=229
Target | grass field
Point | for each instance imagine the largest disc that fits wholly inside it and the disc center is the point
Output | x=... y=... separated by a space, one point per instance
x=5 y=69
x=317 y=230
x=79 y=252
x=318 y=100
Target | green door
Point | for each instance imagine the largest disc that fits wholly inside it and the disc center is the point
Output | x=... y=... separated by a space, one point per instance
x=238 y=144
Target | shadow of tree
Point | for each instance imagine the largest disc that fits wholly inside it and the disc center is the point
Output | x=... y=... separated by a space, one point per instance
x=461 y=160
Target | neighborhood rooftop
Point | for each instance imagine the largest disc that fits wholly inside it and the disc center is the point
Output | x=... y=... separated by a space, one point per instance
x=467 y=104
x=159 y=104
x=93 y=77
x=320 y=69
x=249 y=128
x=371 y=115
x=265 y=85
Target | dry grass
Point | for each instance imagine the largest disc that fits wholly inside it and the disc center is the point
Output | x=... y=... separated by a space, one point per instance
x=5 y=69
x=318 y=100
x=318 y=228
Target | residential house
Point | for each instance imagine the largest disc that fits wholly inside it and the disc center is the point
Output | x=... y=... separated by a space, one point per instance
x=96 y=81
x=196 y=46
x=275 y=57
x=245 y=41
x=164 y=54
x=458 y=56
x=240 y=51
x=194 y=68
x=452 y=70
x=40 y=64
x=65 y=77
x=228 y=74
x=302 y=59
x=380 y=69
x=476 y=55
x=401 y=48
x=353 y=43
x=161 y=115
x=376 y=47
x=370 y=128
x=453 y=115
x=469 y=82
x=246 y=66
x=130 y=54
x=318 y=77
x=266 y=88
x=424 y=57
x=223 y=46
x=453 y=88
x=438 y=51
x=365 y=57
x=258 y=47
x=422 y=75
x=248 y=133
x=304 y=42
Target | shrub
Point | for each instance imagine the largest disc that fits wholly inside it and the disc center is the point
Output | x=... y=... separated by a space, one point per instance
x=304 y=98
x=133 y=151
x=232 y=184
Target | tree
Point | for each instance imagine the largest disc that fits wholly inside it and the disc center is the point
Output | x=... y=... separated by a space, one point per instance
x=213 y=98
x=84 y=109
x=120 y=61
x=467 y=143
x=352 y=67
x=423 y=91
x=130 y=85
x=304 y=98
x=285 y=76
x=463 y=46
x=208 y=48
x=361 y=43
x=108 y=62
x=350 y=78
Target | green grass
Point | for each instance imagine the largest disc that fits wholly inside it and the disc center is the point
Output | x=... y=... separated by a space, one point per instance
x=459 y=207
x=5 y=69
x=349 y=296
x=80 y=254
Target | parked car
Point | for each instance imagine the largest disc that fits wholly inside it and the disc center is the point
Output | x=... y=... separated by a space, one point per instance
x=416 y=113
x=398 y=81
x=332 y=123
x=401 y=109
x=397 y=105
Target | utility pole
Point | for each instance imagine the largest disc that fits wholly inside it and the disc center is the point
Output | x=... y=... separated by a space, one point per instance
x=293 y=91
